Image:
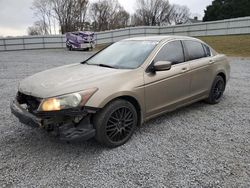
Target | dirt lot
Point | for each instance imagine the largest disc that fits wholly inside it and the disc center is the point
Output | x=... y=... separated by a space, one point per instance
x=197 y=146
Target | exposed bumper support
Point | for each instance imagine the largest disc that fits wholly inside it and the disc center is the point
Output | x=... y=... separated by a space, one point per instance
x=24 y=116
x=67 y=131
x=83 y=131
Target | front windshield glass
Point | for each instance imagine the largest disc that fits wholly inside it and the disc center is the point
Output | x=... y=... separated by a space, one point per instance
x=124 y=54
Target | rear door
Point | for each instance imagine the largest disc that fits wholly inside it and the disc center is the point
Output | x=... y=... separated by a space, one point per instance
x=199 y=57
x=165 y=89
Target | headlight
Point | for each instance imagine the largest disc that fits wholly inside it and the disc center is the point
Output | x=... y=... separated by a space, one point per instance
x=66 y=101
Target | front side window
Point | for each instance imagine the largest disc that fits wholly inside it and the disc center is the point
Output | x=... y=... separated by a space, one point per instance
x=194 y=49
x=172 y=52
x=124 y=54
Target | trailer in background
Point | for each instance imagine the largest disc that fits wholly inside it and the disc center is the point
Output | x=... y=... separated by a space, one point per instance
x=84 y=40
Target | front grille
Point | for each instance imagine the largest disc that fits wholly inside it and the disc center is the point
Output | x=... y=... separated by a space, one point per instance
x=31 y=102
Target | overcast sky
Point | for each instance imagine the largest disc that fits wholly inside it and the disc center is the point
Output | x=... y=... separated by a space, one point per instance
x=16 y=15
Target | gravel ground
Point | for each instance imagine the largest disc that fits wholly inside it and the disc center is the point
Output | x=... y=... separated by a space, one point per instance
x=197 y=146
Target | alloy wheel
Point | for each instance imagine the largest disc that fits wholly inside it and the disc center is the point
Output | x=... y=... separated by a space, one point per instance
x=218 y=90
x=120 y=124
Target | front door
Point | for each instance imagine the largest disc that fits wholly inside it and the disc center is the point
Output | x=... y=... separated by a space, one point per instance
x=164 y=90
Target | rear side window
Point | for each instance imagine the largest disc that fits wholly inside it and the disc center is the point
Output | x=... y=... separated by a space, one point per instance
x=172 y=52
x=207 y=50
x=194 y=49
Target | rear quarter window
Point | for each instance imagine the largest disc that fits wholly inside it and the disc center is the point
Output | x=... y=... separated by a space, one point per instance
x=194 y=49
x=207 y=50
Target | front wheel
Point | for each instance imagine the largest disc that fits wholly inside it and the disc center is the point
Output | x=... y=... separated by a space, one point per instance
x=216 y=91
x=115 y=124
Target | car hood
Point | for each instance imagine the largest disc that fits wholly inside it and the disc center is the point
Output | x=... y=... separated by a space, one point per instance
x=67 y=79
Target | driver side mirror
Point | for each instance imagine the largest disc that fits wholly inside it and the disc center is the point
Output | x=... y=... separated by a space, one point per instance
x=162 y=65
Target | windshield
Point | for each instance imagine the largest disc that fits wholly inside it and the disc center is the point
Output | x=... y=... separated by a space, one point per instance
x=124 y=54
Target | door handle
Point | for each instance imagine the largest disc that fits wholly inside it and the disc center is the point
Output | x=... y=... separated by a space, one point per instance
x=184 y=69
x=211 y=61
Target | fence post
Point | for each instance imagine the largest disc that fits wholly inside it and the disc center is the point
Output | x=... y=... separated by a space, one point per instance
x=228 y=23
x=43 y=42
x=62 y=41
x=23 y=44
x=4 y=43
x=112 y=36
x=206 y=29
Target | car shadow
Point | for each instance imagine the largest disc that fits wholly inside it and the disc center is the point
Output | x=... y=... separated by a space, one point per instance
x=33 y=139
x=179 y=111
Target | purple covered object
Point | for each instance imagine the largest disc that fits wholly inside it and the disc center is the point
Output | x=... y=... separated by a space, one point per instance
x=80 y=40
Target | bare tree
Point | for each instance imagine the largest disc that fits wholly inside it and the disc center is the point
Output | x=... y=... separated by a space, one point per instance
x=39 y=28
x=100 y=14
x=180 y=14
x=71 y=14
x=108 y=14
x=43 y=10
x=33 y=31
x=120 y=18
x=152 y=13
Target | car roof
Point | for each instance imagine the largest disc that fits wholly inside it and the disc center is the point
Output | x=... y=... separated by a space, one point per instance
x=160 y=38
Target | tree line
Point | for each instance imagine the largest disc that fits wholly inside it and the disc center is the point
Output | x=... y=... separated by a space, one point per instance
x=226 y=9
x=74 y=15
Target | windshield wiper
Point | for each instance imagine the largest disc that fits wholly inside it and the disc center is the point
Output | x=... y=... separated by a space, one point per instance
x=108 y=66
x=101 y=65
x=84 y=62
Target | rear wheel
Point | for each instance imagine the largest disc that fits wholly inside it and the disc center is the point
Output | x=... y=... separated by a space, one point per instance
x=217 y=91
x=115 y=124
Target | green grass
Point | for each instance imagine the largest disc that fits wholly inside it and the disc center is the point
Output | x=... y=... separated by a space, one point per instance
x=100 y=47
x=231 y=45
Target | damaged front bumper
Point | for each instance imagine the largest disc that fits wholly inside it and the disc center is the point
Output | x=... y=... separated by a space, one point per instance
x=67 y=125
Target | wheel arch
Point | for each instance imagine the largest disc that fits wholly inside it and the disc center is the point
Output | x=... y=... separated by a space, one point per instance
x=134 y=101
x=136 y=104
x=223 y=75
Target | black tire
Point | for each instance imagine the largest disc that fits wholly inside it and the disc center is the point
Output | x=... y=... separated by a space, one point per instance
x=68 y=46
x=116 y=123
x=216 y=91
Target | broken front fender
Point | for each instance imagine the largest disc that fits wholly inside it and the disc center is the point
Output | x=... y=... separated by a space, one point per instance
x=67 y=125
